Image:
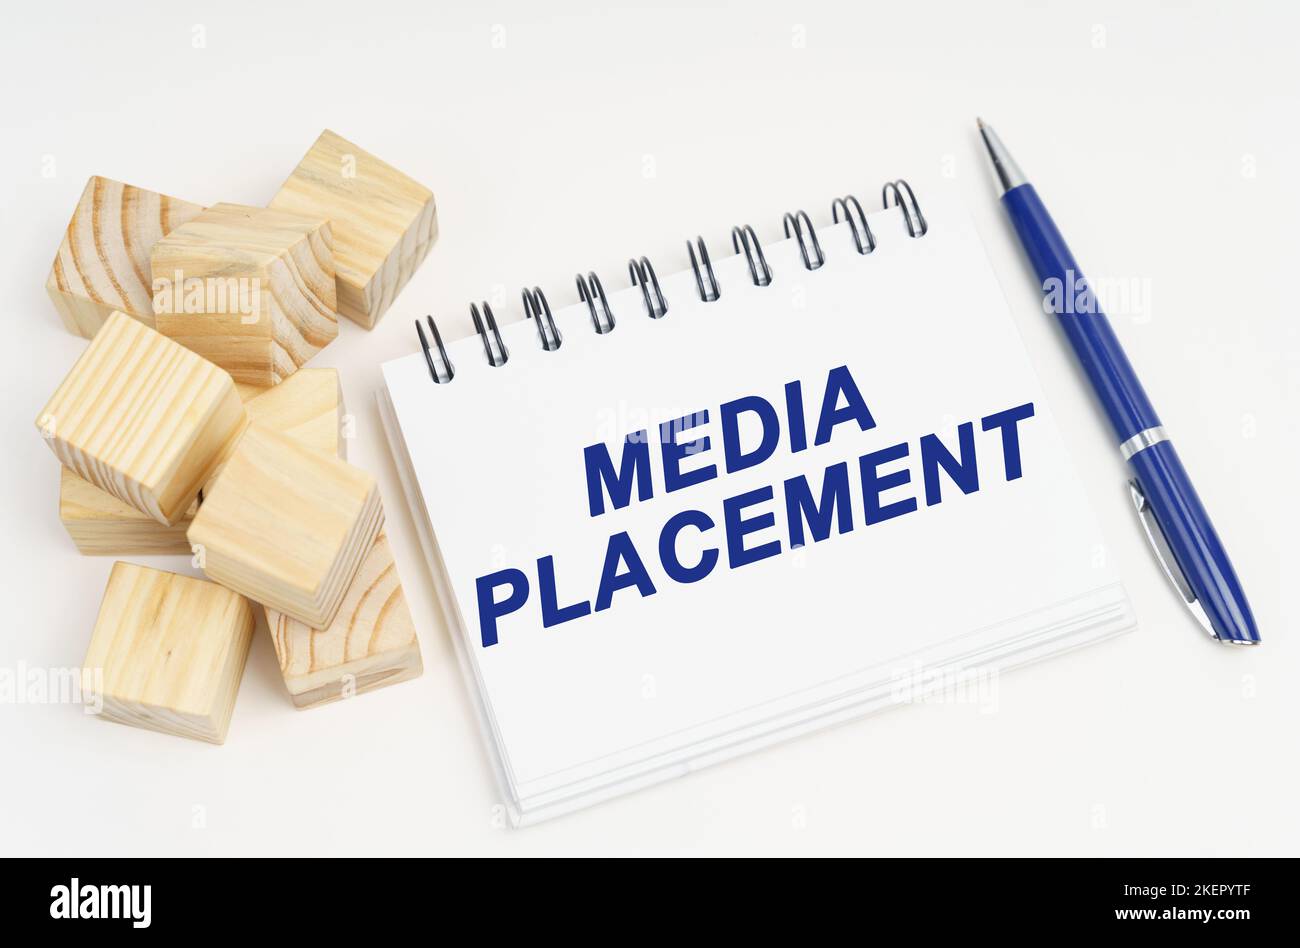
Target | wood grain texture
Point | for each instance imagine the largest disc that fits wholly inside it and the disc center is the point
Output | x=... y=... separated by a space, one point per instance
x=370 y=643
x=287 y=525
x=102 y=264
x=171 y=651
x=249 y=289
x=308 y=406
x=102 y=525
x=248 y=391
x=384 y=222
x=143 y=418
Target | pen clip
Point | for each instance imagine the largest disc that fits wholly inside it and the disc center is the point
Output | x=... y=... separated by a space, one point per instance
x=1165 y=556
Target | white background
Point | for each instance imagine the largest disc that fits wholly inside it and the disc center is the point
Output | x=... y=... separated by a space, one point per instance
x=1164 y=139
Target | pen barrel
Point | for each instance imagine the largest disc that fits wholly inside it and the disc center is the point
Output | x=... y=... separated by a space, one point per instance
x=1194 y=542
x=1066 y=293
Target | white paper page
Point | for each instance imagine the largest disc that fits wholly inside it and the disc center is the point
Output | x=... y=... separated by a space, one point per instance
x=923 y=329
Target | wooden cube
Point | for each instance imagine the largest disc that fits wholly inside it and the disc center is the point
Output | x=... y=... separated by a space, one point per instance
x=309 y=407
x=249 y=289
x=370 y=643
x=101 y=525
x=102 y=265
x=287 y=525
x=384 y=222
x=168 y=652
x=143 y=418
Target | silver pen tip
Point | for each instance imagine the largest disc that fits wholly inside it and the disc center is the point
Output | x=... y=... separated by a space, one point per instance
x=1008 y=172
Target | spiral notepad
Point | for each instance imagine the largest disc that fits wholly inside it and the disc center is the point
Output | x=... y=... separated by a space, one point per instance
x=711 y=509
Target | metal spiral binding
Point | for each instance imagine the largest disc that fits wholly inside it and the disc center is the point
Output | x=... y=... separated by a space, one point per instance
x=448 y=369
x=642 y=273
x=744 y=239
x=863 y=239
x=916 y=225
x=589 y=291
x=796 y=222
x=712 y=292
x=537 y=309
x=500 y=355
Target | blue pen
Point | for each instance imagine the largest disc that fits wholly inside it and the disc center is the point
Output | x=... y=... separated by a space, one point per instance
x=1170 y=512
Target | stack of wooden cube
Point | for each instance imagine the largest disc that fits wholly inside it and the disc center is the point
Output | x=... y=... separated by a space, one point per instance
x=190 y=426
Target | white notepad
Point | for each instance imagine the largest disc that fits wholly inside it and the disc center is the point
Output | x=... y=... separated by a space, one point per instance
x=913 y=339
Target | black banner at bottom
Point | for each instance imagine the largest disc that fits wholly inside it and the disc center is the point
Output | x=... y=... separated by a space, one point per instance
x=338 y=898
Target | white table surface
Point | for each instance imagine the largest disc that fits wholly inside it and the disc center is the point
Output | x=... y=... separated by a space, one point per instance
x=1165 y=141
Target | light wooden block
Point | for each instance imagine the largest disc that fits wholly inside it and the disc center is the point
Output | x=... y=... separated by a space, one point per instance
x=102 y=265
x=309 y=407
x=101 y=525
x=169 y=652
x=251 y=289
x=143 y=418
x=384 y=222
x=287 y=525
x=370 y=643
